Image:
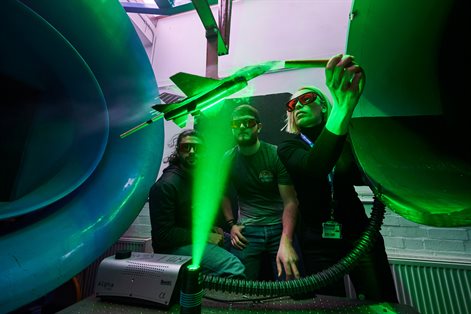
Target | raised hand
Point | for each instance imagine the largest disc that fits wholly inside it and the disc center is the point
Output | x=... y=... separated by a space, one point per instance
x=345 y=80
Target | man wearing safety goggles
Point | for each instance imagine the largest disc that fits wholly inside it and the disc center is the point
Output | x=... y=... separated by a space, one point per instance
x=170 y=209
x=320 y=162
x=267 y=204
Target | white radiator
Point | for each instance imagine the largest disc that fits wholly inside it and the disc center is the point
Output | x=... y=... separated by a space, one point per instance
x=430 y=287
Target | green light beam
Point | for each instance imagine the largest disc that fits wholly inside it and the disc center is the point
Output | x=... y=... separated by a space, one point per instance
x=210 y=180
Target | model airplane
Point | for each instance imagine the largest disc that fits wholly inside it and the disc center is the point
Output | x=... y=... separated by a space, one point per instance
x=203 y=93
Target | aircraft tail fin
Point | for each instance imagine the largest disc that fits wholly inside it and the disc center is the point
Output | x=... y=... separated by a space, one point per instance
x=192 y=85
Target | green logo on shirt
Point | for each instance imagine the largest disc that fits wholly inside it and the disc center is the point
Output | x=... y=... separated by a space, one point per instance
x=265 y=176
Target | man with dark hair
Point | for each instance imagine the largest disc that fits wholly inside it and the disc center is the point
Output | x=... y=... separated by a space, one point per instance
x=267 y=204
x=170 y=204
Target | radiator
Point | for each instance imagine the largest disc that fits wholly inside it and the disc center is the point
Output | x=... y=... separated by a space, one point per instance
x=87 y=276
x=430 y=287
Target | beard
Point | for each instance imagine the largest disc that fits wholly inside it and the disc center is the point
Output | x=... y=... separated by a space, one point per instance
x=188 y=163
x=243 y=141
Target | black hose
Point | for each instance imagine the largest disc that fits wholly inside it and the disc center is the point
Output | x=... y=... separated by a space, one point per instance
x=312 y=282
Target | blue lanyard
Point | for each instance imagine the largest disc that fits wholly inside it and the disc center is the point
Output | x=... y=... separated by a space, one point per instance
x=307 y=140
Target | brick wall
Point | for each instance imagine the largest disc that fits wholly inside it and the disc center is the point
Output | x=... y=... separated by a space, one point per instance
x=403 y=238
x=140 y=228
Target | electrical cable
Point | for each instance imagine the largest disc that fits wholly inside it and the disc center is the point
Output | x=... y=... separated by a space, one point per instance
x=244 y=300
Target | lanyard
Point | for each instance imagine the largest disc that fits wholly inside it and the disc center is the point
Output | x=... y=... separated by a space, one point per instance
x=329 y=176
x=307 y=140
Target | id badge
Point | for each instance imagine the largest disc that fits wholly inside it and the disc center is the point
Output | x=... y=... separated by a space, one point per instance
x=331 y=230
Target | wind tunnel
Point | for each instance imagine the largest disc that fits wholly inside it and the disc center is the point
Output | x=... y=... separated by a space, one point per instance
x=74 y=76
x=411 y=129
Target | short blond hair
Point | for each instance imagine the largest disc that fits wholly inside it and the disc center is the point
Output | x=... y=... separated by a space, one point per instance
x=291 y=126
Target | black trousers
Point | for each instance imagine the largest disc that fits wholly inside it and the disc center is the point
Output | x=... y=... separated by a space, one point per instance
x=371 y=277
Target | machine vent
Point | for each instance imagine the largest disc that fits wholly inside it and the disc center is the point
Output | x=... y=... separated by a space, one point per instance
x=139 y=269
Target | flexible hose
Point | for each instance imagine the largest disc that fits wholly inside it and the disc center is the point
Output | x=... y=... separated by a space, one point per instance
x=312 y=282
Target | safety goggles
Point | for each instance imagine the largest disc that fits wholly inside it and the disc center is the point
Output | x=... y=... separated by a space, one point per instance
x=304 y=99
x=187 y=147
x=247 y=123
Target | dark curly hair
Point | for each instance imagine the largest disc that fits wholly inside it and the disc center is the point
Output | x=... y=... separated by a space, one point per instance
x=175 y=142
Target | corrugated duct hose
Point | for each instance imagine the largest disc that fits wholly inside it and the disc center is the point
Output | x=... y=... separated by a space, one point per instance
x=312 y=282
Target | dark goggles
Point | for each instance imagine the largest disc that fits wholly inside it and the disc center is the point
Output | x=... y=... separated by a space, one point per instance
x=187 y=147
x=304 y=99
x=248 y=123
